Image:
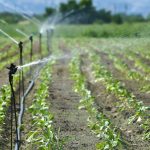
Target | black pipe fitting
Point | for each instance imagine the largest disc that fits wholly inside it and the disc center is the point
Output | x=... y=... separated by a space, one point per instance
x=20 y=44
x=31 y=38
x=12 y=69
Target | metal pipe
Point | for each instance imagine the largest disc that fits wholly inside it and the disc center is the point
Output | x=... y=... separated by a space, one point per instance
x=22 y=108
x=48 y=41
x=40 y=44
x=21 y=63
x=12 y=71
x=31 y=51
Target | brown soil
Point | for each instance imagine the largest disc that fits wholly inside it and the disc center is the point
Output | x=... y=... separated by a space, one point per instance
x=5 y=48
x=64 y=105
x=130 y=134
x=72 y=122
x=131 y=85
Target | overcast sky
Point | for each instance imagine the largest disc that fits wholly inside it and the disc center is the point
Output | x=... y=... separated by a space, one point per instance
x=131 y=6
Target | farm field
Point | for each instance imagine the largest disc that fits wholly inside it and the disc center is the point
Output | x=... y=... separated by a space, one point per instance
x=92 y=93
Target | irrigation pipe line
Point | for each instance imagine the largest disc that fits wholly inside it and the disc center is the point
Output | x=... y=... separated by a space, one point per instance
x=22 y=105
x=20 y=117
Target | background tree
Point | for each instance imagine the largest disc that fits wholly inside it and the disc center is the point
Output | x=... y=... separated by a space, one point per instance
x=66 y=7
x=49 y=11
x=104 y=16
x=117 y=19
x=85 y=3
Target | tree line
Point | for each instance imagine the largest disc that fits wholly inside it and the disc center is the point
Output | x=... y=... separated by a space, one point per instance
x=84 y=12
x=80 y=12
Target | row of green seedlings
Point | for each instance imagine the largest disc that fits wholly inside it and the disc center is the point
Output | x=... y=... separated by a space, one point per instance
x=14 y=58
x=139 y=63
x=3 y=42
x=5 y=98
x=97 y=121
x=131 y=74
x=127 y=100
x=42 y=134
x=144 y=53
x=145 y=70
x=5 y=94
x=8 y=52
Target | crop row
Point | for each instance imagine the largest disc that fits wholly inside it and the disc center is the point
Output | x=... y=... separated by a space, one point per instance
x=42 y=132
x=127 y=99
x=139 y=63
x=130 y=73
x=5 y=91
x=97 y=121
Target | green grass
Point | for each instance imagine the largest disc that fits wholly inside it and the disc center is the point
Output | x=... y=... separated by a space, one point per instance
x=105 y=30
x=95 y=30
x=25 y=26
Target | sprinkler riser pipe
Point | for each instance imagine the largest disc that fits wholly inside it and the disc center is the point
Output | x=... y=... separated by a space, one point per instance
x=48 y=40
x=20 y=45
x=12 y=71
x=40 y=44
x=31 y=50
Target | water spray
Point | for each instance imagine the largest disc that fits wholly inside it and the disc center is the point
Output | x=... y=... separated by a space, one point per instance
x=20 y=12
x=20 y=46
x=31 y=41
x=29 y=19
x=10 y=37
x=22 y=33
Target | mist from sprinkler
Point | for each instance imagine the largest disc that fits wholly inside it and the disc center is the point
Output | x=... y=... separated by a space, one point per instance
x=22 y=33
x=10 y=37
x=22 y=13
x=44 y=60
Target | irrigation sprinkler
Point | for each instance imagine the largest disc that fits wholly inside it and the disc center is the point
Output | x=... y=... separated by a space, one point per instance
x=31 y=50
x=21 y=74
x=49 y=32
x=40 y=44
x=31 y=41
x=12 y=71
x=48 y=40
x=20 y=46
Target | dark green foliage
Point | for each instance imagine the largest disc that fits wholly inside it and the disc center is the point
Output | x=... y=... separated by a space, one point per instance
x=117 y=19
x=49 y=11
x=66 y=7
x=11 y=17
x=104 y=16
x=85 y=3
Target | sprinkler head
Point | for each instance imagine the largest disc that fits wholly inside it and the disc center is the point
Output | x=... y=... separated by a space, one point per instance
x=31 y=38
x=20 y=44
x=40 y=34
x=12 y=69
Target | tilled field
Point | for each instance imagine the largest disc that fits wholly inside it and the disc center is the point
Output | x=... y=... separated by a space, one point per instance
x=99 y=97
